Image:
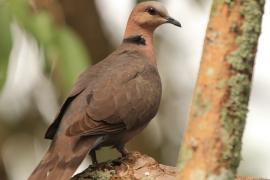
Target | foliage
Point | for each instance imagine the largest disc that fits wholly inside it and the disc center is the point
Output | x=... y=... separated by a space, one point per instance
x=64 y=52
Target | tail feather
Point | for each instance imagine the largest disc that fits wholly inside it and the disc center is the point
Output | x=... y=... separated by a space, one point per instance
x=61 y=162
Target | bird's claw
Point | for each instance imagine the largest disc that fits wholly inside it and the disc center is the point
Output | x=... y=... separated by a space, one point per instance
x=119 y=161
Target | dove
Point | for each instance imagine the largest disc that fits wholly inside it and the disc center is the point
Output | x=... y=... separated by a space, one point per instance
x=111 y=102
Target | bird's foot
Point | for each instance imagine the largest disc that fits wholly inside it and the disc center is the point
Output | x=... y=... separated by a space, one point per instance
x=121 y=161
x=122 y=150
x=93 y=156
x=118 y=161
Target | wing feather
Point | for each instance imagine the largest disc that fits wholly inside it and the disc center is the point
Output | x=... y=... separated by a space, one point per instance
x=116 y=101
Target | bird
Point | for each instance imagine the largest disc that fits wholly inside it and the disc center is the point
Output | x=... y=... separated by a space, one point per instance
x=111 y=101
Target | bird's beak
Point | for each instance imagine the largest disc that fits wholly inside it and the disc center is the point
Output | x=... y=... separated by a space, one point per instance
x=173 y=21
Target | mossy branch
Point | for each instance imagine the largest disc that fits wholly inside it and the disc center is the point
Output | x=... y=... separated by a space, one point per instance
x=212 y=142
x=135 y=167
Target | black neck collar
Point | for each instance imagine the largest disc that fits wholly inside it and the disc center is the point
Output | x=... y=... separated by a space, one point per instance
x=137 y=39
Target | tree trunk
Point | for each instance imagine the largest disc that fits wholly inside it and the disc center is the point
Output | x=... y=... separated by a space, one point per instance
x=212 y=141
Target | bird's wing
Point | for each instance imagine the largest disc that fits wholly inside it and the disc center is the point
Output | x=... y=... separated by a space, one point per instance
x=77 y=89
x=52 y=129
x=117 y=100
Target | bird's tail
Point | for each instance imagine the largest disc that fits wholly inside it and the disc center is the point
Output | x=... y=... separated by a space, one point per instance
x=61 y=160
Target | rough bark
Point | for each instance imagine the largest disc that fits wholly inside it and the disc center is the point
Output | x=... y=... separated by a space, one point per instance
x=212 y=142
x=135 y=167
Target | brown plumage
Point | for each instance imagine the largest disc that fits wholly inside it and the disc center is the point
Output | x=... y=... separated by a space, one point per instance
x=111 y=102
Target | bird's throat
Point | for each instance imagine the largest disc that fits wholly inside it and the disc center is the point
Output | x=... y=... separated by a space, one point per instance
x=144 y=43
x=137 y=39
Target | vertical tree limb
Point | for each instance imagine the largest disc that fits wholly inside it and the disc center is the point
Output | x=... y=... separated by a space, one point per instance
x=212 y=142
x=83 y=17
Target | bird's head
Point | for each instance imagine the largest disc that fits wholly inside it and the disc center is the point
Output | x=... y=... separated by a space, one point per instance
x=150 y=15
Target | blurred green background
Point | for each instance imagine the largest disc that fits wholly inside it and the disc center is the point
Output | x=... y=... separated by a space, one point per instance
x=45 y=44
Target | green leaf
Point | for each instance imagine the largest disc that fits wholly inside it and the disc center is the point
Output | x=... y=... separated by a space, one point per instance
x=41 y=27
x=5 y=42
x=73 y=57
x=64 y=52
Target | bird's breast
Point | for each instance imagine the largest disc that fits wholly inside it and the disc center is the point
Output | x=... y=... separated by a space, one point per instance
x=150 y=96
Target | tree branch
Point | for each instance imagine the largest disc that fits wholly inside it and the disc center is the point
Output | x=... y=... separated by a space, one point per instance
x=212 y=142
x=135 y=166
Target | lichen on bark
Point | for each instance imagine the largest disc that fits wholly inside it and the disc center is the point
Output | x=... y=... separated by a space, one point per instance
x=202 y=104
x=185 y=155
x=219 y=106
x=95 y=175
x=233 y=115
x=135 y=166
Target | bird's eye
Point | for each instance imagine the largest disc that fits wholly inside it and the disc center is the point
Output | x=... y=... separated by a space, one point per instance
x=152 y=11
